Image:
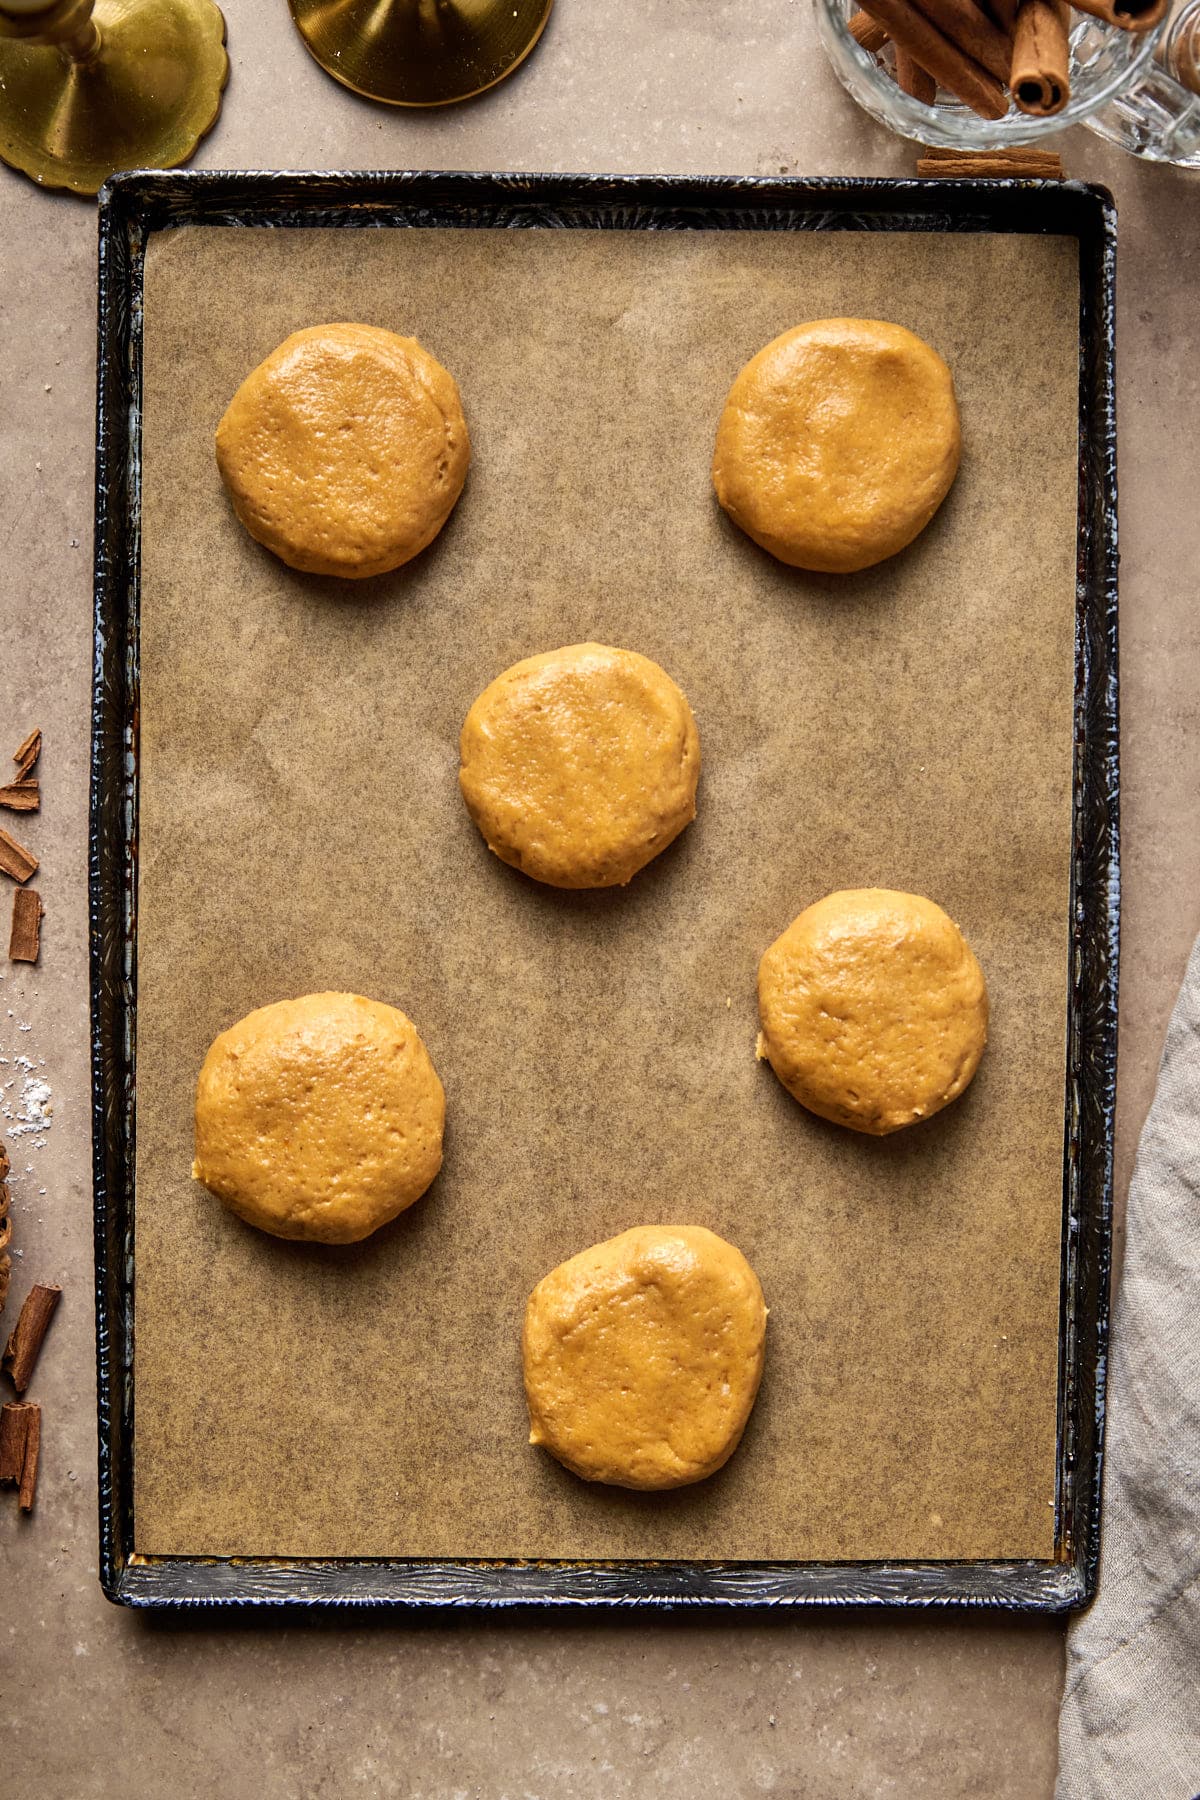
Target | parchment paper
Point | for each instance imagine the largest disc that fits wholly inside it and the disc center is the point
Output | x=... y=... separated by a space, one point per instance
x=301 y=828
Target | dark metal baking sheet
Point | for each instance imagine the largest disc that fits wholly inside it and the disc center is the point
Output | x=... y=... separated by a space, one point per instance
x=132 y=207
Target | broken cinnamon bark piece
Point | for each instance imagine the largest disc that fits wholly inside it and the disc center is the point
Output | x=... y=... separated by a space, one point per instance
x=25 y=938
x=27 y=753
x=15 y=860
x=21 y=796
x=25 y=1340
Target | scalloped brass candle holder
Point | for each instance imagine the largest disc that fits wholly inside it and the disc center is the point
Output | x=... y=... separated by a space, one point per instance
x=91 y=86
x=420 y=52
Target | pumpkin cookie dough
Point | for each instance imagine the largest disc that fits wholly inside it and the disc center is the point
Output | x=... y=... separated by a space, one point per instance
x=345 y=450
x=643 y=1356
x=874 y=1010
x=838 y=443
x=581 y=765
x=319 y=1118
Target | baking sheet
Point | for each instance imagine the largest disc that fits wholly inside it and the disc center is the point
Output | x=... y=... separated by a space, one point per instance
x=300 y=828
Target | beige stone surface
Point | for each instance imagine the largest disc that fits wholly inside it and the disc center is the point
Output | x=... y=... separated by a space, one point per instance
x=95 y=1702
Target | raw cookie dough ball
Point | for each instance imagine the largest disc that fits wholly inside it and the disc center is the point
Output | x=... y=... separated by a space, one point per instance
x=643 y=1356
x=319 y=1118
x=579 y=766
x=874 y=1010
x=838 y=443
x=345 y=450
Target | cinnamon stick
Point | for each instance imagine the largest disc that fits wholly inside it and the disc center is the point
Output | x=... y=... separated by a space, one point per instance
x=1028 y=153
x=950 y=66
x=968 y=26
x=24 y=940
x=21 y=796
x=1005 y=14
x=28 y=752
x=20 y=1442
x=13 y=1427
x=1129 y=15
x=1040 y=79
x=868 y=32
x=15 y=860
x=25 y=1340
x=912 y=79
x=29 y=1463
x=1030 y=165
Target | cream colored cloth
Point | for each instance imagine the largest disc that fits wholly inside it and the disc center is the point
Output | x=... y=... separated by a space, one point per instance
x=1130 y=1722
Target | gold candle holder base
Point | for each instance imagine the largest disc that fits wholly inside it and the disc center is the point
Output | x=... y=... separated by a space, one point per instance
x=420 y=52
x=126 y=84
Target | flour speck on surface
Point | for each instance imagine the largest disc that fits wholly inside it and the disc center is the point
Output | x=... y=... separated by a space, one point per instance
x=26 y=1096
x=32 y=1110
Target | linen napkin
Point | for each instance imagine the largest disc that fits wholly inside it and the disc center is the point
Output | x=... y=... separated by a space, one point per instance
x=1129 y=1728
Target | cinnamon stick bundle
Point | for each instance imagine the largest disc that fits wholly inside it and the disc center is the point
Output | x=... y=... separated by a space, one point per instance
x=950 y=66
x=24 y=939
x=20 y=1445
x=1129 y=15
x=978 y=49
x=25 y=1340
x=1040 y=80
x=15 y=859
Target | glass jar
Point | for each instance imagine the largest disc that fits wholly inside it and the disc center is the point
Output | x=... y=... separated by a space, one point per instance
x=1105 y=61
x=1158 y=115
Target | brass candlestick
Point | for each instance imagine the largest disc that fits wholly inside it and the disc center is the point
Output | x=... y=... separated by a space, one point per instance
x=420 y=52
x=91 y=86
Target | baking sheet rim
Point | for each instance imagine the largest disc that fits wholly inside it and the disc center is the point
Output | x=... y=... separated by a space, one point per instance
x=210 y=195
